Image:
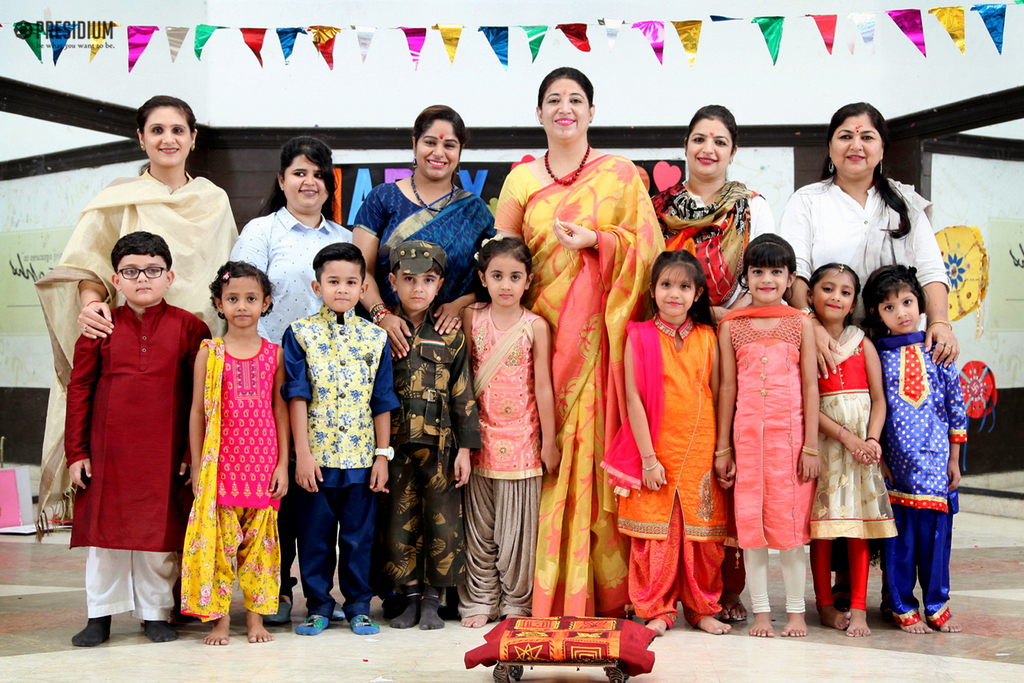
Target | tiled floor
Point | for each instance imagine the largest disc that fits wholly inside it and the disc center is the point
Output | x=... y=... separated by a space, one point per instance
x=42 y=604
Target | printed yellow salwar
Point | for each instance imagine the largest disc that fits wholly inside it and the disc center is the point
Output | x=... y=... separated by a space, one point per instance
x=587 y=297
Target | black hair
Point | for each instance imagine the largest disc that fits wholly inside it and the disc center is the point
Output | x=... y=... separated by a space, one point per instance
x=143 y=112
x=700 y=311
x=317 y=152
x=339 y=251
x=768 y=251
x=882 y=186
x=880 y=285
x=573 y=75
x=715 y=112
x=820 y=272
x=238 y=269
x=140 y=243
x=440 y=112
x=500 y=246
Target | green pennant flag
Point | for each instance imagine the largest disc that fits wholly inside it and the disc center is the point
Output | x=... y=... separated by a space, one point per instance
x=535 y=34
x=203 y=33
x=30 y=32
x=771 y=27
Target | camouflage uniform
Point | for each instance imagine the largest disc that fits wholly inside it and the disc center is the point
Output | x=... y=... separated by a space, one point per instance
x=424 y=534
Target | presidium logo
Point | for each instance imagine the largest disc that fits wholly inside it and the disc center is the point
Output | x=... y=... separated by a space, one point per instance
x=64 y=35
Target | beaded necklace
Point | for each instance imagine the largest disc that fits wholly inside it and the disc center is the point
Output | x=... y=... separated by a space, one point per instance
x=566 y=180
x=430 y=207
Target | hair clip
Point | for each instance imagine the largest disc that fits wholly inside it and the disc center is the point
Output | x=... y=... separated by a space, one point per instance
x=842 y=268
x=226 y=276
x=497 y=238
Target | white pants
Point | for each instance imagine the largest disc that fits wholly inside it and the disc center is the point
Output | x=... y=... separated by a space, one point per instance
x=794 y=575
x=131 y=581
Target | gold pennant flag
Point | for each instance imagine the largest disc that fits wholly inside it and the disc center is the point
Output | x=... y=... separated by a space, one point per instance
x=689 y=35
x=952 y=19
x=96 y=39
x=450 y=33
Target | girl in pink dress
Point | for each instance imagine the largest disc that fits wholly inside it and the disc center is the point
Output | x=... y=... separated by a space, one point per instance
x=768 y=375
x=510 y=351
x=238 y=435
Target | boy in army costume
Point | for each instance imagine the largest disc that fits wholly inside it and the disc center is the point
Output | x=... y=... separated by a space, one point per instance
x=438 y=420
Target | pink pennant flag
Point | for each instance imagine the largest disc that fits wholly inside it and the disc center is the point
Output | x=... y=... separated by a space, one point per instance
x=827 y=28
x=138 y=41
x=654 y=31
x=909 y=21
x=415 y=38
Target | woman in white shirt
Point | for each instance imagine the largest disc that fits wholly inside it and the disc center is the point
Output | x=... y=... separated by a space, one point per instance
x=857 y=216
x=708 y=216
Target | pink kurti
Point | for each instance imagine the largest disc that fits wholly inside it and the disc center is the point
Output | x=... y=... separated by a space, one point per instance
x=772 y=503
x=509 y=420
x=248 y=435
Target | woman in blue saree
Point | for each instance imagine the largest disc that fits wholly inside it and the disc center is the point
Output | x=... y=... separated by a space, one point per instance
x=425 y=206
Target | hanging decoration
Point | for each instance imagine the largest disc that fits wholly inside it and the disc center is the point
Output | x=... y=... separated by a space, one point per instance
x=654 y=31
x=611 y=27
x=323 y=40
x=59 y=34
x=689 y=36
x=450 y=34
x=138 y=41
x=286 y=36
x=967 y=269
x=497 y=36
x=718 y=17
x=909 y=21
x=96 y=41
x=253 y=38
x=203 y=33
x=952 y=19
x=980 y=393
x=535 y=34
x=364 y=34
x=31 y=33
x=577 y=35
x=771 y=28
x=865 y=22
x=994 y=17
x=827 y=28
x=414 y=37
x=175 y=39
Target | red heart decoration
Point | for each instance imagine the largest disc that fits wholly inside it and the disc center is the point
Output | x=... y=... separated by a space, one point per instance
x=666 y=175
x=525 y=160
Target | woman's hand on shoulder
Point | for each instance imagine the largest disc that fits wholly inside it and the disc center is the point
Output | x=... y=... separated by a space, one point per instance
x=941 y=342
x=95 y=321
x=825 y=345
x=398 y=333
x=448 y=317
x=574 y=237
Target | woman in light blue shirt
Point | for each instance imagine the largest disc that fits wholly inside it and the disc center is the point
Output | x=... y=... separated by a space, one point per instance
x=282 y=242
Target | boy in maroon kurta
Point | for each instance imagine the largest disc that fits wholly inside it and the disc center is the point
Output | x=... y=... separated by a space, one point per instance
x=126 y=444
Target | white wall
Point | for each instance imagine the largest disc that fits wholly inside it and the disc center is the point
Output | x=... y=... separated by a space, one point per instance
x=733 y=67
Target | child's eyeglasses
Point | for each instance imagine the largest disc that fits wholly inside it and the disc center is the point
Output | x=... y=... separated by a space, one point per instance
x=152 y=272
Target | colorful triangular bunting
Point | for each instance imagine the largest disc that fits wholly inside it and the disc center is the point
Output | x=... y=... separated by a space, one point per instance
x=254 y=38
x=611 y=27
x=718 y=17
x=58 y=35
x=952 y=19
x=535 y=34
x=654 y=31
x=497 y=36
x=689 y=36
x=287 y=38
x=175 y=39
x=450 y=34
x=364 y=34
x=138 y=41
x=865 y=22
x=827 y=28
x=909 y=21
x=577 y=35
x=414 y=37
x=323 y=40
x=31 y=33
x=203 y=33
x=994 y=17
x=771 y=28
x=96 y=41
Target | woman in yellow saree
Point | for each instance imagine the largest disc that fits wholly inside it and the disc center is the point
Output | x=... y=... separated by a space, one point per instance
x=594 y=234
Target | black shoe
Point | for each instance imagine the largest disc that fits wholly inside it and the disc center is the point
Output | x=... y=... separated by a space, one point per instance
x=159 y=631
x=94 y=633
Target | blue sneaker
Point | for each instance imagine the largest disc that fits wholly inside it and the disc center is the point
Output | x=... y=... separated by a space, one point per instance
x=314 y=625
x=363 y=625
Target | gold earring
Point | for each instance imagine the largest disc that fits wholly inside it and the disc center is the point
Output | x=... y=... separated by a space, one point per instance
x=143 y=146
x=193 y=147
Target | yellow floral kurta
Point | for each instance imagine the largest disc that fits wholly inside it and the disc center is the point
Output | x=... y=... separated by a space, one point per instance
x=587 y=297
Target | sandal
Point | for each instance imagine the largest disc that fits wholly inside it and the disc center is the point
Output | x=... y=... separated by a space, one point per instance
x=362 y=625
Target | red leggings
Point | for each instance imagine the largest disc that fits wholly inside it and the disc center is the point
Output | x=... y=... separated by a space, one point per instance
x=821 y=571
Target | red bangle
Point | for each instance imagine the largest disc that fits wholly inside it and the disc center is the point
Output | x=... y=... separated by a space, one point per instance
x=871 y=438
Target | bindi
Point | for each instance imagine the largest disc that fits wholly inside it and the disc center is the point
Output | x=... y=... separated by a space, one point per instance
x=856 y=129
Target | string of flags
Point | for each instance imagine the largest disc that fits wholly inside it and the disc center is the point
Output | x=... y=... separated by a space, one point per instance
x=909 y=21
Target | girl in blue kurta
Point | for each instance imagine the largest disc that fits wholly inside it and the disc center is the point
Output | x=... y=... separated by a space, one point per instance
x=924 y=428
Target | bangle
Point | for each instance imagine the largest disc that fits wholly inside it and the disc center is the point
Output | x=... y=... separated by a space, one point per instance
x=377 y=312
x=648 y=469
x=724 y=452
x=839 y=436
x=941 y=322
x=806 y=450
x=871 y=438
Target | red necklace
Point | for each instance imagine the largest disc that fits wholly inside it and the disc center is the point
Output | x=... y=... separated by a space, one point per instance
x=569 y=179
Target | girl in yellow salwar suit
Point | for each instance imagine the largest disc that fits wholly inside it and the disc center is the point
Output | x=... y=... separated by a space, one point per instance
x=594 y=235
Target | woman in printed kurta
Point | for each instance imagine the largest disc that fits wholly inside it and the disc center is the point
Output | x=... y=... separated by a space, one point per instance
x=239 y=441
x=594 y=236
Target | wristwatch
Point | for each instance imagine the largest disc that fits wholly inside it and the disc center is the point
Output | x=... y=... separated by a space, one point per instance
x=388 y=453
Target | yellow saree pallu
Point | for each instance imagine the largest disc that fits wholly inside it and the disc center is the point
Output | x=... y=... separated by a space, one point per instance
x=587 y=297
x=196 y=222
x=207 y=572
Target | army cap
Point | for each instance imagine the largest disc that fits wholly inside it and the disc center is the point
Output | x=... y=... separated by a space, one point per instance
x=413 y=257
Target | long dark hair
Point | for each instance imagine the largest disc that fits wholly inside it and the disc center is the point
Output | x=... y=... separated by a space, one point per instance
x=768 y=251
x=881 y=283
x=317 y=152
x=882 y=186
x=700 y=311
x=573 y=75
x=839 y=268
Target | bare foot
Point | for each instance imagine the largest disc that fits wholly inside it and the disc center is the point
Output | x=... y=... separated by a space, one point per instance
x=659 y=626
x=858 y=624
x=255 y=629
x=713 y=626
x=830 y=616
x=796 y=625
x=919 y=627
x=762 y=626
x=732 y=607
x=475 y=621
x=219 y=634
x=952 y=625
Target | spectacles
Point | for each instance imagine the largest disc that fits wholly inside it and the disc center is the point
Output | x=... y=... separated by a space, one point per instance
x=152 y=273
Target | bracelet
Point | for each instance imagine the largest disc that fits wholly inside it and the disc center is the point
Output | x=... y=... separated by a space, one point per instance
x=941 y=322
x=871 y=438
x=724 y=452
x=809 y=451
x=839 y=436
x=377 y=312
x=648 y=469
